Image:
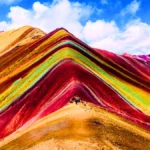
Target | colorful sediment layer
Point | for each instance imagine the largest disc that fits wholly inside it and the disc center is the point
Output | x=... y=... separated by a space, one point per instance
x=40 y=73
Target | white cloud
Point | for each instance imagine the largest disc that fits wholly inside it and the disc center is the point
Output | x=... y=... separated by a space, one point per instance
x=104 y=2
x=60 y=13
x=131 y=8
x=8 y=1
x=134 y=39
x=3 y=26
x=99 y=30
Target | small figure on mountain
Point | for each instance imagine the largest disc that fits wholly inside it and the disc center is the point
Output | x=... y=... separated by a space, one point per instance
x=76 y=99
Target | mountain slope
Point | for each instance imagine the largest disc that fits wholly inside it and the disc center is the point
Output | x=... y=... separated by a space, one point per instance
x=42 y=75
x=88 y=128
x=18 y=37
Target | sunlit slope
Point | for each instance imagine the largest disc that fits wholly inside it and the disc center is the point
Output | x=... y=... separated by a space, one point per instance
x=78 y=127
x=18 y=37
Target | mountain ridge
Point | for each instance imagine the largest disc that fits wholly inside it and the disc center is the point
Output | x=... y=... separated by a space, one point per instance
x=41 y=76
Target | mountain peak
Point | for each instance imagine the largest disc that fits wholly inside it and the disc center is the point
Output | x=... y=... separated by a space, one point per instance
x=17 y=37
x=40 y=74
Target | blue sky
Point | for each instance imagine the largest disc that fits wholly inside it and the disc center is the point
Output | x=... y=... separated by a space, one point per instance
x=110 y=9
x=116 y=25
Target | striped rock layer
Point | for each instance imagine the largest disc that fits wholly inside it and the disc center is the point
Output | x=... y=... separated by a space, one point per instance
x=40 y=73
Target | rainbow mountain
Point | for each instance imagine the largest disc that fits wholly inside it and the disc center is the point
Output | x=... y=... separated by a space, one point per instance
x=41 y=73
